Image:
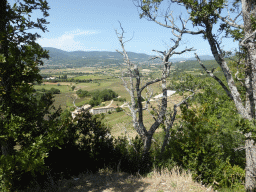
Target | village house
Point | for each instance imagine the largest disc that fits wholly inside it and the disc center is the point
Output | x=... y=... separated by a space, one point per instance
x=92 y=111
x=169 y=93
x=101 y=110
x=79 y=110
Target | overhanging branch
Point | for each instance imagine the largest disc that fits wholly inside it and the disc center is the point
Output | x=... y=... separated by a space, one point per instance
x=213 y=76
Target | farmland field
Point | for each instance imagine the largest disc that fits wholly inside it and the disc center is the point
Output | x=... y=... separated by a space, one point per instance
x=100 y=81
x=94 y=77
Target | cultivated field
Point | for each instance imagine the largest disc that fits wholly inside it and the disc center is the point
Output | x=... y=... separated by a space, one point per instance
x=116 y=121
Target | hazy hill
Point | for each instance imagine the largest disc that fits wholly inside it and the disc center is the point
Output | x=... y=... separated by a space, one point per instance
x=202 y=57
x=60 y=58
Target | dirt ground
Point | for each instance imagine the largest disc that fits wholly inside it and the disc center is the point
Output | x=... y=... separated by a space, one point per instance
x=108 y=181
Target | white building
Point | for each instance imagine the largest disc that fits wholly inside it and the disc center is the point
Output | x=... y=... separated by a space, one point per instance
x=169 y=93
x=101 y=110
x=79 y=110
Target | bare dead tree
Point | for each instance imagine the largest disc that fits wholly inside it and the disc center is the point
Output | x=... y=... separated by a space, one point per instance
x=248 y=15
x=133 y=85
x=170 y=122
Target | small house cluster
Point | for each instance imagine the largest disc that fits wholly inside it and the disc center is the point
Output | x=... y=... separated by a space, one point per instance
x=79 y=110
x=101 y=110
x=92 y=111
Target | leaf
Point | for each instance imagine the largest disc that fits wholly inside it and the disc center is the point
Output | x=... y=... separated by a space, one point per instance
x=2 y=58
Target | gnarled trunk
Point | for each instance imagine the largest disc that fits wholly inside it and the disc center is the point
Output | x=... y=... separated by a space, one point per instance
x=250 y=175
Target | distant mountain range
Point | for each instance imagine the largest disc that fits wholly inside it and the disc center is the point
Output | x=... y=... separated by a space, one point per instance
x=59 y=57
x=58 y=54
x=202 y=57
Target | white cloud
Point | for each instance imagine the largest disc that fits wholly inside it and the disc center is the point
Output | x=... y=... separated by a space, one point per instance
x=66 y=41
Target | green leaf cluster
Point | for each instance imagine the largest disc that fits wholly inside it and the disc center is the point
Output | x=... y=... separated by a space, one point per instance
x=85 y=140
x=205 y=140
x=28 y=128
x=101 y=96
x=82 y=93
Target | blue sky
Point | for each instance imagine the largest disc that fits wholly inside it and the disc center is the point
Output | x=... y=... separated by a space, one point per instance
x=90 y=26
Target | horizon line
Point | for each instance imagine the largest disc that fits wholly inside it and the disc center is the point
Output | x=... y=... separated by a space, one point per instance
x=117 y=52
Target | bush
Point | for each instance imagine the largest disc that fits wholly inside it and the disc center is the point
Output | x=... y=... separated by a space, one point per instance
x=93 y=102
x=85 y=141
x=120 y=99
x=37 y=136
x=204 y=143
x=54 y=91
x=119 y=109
x=105 y=95
x=130 y=156
x=72 y=108
x=81 y=93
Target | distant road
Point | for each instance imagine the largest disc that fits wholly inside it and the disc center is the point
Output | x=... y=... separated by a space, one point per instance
x=110 y=103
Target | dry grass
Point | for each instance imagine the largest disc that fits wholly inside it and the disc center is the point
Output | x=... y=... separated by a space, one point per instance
x=108 y=181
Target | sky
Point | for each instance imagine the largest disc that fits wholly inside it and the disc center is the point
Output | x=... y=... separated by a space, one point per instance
x=89 y=25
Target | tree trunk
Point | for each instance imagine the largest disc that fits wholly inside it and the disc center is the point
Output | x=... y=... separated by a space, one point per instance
x=246 y=112
x=250 y=177
x=7 y=147
x=248 y=10
x=145 y=161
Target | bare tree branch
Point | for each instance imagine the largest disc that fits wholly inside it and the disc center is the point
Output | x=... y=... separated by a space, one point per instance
x=231 y=22
x=170 y=124
x=173 y=26
x=135 y=90
x=216 y=78
x=246 y=38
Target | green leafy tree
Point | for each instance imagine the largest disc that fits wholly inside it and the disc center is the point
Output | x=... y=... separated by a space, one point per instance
x=82 y=93
x=54 y=91
x=73 y=88
x=101 y=96
x=24 y=120
x=205 y=141
x=205 y=15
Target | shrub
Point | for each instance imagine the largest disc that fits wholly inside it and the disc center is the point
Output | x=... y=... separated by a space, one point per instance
x=72 y=108
x=81 y=93
x=93 y=102
x=120 y=99
x=84 y=141
x=54 y=91
x=104 y=95
x=130 y=156
x=204 y=143
x=119 y=109
x=36 y=136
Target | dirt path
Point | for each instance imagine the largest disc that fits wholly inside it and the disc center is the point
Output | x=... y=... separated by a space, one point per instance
x=110 y=104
